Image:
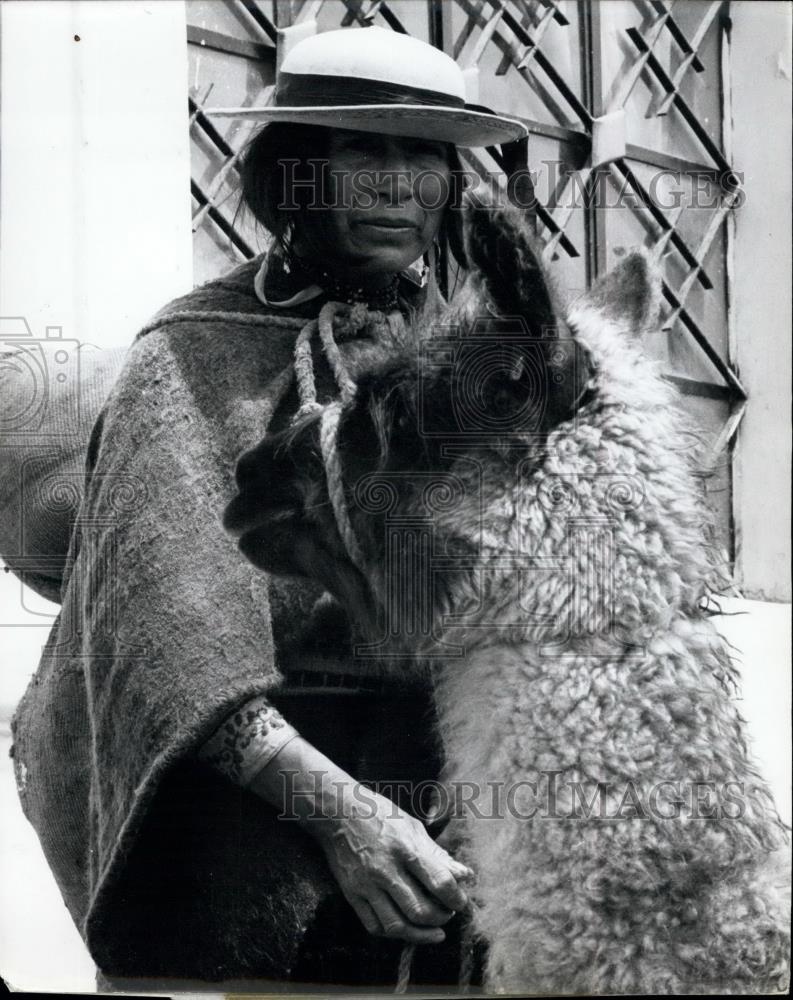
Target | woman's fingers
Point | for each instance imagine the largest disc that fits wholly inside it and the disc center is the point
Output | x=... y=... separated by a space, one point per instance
x=394 y=924
x=393 y=865
x=366 y=915
x=439 y=872
x=414 y=902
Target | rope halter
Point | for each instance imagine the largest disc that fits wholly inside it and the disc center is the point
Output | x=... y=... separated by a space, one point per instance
x=330 y=413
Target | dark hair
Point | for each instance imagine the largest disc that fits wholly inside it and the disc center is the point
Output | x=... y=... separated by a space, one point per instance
x=265 y=188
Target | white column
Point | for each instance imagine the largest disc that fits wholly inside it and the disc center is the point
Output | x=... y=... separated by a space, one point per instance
x=761 y=91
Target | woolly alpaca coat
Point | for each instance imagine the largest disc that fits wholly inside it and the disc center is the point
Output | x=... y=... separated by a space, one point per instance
x=167 y=869
x=619 y=717
x=593 y=703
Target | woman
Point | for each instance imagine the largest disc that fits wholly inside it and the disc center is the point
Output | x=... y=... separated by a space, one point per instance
x=191 y=748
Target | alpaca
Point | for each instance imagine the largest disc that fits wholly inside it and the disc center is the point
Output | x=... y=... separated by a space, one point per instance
x=597 y=766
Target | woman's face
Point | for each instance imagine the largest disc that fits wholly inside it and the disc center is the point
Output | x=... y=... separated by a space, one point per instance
x=387 y=199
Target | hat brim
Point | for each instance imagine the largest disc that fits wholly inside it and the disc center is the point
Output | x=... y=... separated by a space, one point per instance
x=460 y=126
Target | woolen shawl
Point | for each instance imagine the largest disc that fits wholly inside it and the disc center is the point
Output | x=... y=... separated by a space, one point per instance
x=166 y=868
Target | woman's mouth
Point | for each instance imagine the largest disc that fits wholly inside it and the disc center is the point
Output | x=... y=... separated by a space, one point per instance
x=381 y=222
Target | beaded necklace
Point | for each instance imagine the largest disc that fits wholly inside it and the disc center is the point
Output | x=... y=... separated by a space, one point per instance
x=383 y=298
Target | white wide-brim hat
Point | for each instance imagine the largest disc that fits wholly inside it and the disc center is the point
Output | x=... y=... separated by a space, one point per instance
x=377 y=80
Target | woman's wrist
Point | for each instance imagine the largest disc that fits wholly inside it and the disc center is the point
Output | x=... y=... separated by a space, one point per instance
x=248 y=739
x=306 y=786
x=259 y=750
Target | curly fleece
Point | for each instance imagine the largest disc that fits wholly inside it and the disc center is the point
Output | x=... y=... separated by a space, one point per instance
x=632 y=846
x=621 y=696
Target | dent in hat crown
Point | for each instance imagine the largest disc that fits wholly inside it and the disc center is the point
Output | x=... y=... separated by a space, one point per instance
x=377 y=80
x=379 y=55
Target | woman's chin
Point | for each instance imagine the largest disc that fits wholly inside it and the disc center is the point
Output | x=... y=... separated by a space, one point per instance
x=374 y=262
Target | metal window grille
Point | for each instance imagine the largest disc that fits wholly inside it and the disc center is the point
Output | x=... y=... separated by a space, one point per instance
x=628 y=113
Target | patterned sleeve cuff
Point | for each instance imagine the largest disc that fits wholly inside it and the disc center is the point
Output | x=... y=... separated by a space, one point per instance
x=247 y=741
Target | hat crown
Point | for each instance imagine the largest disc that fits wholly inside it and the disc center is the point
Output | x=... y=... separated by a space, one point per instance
x=377 y=54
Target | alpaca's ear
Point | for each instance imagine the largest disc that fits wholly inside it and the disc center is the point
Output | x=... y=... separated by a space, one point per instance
x=630 y=294
x=501 y=250
x=508 y=262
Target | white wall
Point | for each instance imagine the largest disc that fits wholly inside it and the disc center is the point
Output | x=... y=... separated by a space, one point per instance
x=95 y=213
x=95 y=235
x=95 y=231
x=761 y=93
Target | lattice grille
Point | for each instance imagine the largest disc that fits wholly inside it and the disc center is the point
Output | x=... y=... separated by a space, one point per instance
x=625 y=105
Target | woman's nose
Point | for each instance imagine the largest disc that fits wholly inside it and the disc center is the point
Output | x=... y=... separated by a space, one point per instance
x=393 y=169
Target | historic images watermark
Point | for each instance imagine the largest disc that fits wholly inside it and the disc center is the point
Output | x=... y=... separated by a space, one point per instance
x=314 y=185
x=546 y=796
x=46 y=377
x=475 y=526
x=46 y=415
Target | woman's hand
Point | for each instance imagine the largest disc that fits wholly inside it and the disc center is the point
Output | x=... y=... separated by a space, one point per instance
x=393 y=874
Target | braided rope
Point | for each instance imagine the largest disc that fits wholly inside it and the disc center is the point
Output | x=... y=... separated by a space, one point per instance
x=328 y=431
x=332 y=352
x=215 y=315
x=304 y=373
x=330 y=412
x=466 y=958
x=304 y=361
x=331 y=459
x=405 y=963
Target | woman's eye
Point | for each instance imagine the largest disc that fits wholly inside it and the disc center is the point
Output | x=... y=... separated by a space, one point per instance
x=356 y=144
x=371 y=145
x=428 y=150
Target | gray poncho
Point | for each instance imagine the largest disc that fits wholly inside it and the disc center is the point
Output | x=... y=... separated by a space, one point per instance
x=168 y=869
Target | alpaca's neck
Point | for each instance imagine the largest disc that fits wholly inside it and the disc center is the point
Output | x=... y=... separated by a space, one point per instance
x=471 y=693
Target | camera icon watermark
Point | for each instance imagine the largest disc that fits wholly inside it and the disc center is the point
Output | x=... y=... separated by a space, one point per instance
x=40 y=383
x=494 y=380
